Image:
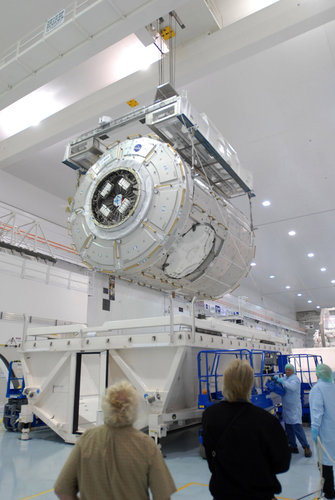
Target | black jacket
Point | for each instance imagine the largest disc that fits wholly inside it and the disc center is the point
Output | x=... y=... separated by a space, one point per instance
x=245 y=447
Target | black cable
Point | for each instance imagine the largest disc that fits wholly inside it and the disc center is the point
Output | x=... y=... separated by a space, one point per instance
x=308 y=495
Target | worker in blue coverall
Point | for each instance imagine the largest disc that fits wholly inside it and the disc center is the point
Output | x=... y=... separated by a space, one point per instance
x=292 y=411
x=322 y=407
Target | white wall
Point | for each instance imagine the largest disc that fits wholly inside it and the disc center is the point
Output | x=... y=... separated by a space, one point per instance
x=39 y=290
x=11 y=329
x=41 y=300
x=255 y=297
x=298 y=341
x=25 y=196
x=131 y=301
x=34 y=219
x=327 y=353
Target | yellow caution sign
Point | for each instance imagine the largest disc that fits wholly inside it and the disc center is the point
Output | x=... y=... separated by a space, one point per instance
x=167 y=33
x=132 y=103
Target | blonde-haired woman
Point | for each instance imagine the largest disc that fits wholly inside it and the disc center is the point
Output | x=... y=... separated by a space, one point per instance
x=245 y=445
x=115 y=461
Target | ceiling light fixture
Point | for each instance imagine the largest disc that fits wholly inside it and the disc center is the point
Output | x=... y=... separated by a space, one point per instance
x=271 y=276
x=323 y=269
x=310 y=255
x=134 y=56
x=253 y=264
x=264 y=3
x=287 y=287
x=266 y=203
x=318 y=307
x=292 y=233
x=299 y=294
x=333 y=281
x=126 y=57
x=244 y=9
x=309 y=301
x=28 y=111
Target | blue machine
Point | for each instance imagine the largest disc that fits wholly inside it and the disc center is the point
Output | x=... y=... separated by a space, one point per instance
x=14 y=393
x=15 y=385
x=16 y=398
x=211 y=366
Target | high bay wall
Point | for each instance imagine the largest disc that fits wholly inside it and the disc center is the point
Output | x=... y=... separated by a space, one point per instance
x=48 y=295
x=42 y=293
x=131 y=301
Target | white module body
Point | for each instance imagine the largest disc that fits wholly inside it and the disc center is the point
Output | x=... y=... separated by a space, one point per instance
x=141 y=214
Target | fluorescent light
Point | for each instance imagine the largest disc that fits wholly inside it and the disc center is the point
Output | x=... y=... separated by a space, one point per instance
x=28 y=111
x=271 y=276
x=134 y=57
x=253 y=264
x=239 y=10
x=310 y=255
x=261 y=4
x=332 y=281
x=299 y=294
x=323 y=269
x=292 y=233
x=318 y=307
x=117 y=61
x=287 y=287
x=148 y=55
x=309 y=301
x=266 y=203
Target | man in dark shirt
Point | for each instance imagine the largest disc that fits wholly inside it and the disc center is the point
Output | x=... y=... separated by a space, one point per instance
x=245 y=446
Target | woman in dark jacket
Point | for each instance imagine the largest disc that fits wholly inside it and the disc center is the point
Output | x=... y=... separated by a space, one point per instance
x=245 y=445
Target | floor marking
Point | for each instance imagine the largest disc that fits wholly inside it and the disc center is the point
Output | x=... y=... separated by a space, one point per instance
x=179 y=489
x=186 y=485
x=38 y=494
x=202 y=484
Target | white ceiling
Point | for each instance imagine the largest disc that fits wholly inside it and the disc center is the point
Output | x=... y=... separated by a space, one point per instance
x=267 y=81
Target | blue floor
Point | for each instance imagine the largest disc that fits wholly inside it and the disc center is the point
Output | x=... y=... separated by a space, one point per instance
x=28 y=469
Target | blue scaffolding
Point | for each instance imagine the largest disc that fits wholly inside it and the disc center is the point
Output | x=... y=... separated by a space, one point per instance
x=211 y=364
x=265 y=393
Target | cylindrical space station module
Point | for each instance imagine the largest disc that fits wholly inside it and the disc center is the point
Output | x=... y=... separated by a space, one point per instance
x=140 y=213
